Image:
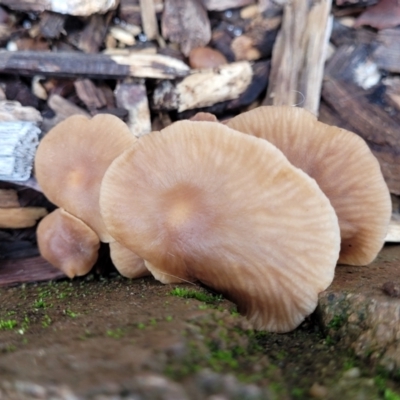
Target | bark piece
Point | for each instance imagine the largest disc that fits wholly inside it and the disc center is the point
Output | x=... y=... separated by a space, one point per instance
x=387 y=53
x=90 y=94
x=8 y=198
x=92 y=36
x=51 y=24
x=18 y=143
x=23 y=270
x=392 y=92
x=133 y=97
x=204 y=88
x=385 y=14
x=73 y=64
x=21 y=217
x=299 y=55
x=222 y=5
x=362 y=109
x=186 y=22
x=74 y=7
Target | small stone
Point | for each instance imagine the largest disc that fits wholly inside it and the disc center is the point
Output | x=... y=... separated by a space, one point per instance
x=318 y=391
x=205 y=57
x=352 y=373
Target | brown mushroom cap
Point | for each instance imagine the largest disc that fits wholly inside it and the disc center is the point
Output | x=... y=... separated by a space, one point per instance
x=71 y=160
x=67 y=243
x=200 y=201
x=126 y=262
x=343 y=166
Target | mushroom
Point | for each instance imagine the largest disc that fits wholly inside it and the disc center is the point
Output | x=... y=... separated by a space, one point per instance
x=67 y=243
x=200 y=201
x=70 y=163
x=343 y=166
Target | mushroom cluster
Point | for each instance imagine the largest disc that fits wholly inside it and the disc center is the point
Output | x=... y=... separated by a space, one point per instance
x=201 y=201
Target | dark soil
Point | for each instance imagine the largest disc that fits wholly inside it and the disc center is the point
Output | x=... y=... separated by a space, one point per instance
x=97 y=335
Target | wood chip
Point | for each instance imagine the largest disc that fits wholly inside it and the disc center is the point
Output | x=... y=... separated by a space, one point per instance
x=393 y=234
x=51 y=24
x=149 y=19
x=22 y=217
x=186 y=22
x=222 y=5
x=387 y=53
x=299 y=55
x=14 y=111
x=92 y=36
x=75 y=7
x=87 y=91
x=204 y=88
x=385 y=14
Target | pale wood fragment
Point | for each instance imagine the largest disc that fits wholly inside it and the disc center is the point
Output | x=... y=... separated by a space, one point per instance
x=9 y=198
x=14 y=111
x=299 y=54
x=186 y=22
x=72 y=7
x=18 y=143
x=133 y=97
x=204 y=88
x=149 y=19
x=222 y=5
x=21 y=217
x=393 y=234
x=122 y=35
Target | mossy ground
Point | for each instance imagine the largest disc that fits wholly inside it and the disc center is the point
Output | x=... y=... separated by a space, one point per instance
x=85 y=332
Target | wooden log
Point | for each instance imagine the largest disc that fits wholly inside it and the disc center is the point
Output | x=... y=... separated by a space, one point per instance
x=387 y=53
x=204 y=87
x=74 y=64
x=25 y=270
x=18 y=143
x=299 y=55
x=133 y=97
x=21 y=217
x=186 y=22
x=78 y=8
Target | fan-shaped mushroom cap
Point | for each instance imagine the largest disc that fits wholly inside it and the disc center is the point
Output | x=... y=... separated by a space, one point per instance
x=126 y=262
x=200 y=201
x=71 y=160
x=343 y=166
x=67 y=243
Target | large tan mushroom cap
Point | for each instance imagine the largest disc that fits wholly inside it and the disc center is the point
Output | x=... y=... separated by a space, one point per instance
x=71 y=160
x=67 y=243
x=343 y=166
x=200 y=201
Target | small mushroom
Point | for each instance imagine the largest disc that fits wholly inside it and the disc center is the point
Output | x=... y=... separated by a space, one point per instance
x=343 y=166
x=71 y=160
x=200 y=201
x=67 y=243
x=70 y=164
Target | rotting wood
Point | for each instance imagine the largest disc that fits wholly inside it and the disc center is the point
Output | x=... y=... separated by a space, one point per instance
x=133 y=97
x=387 y=53
x=299 y=55
x=21 y=217
x=186 y=22
x=204 y=88
x=75 y=7
x=74 y=64
x=18 y=143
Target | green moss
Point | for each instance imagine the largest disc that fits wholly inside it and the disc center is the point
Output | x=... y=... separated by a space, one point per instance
x=8 y=324
x=194 y=294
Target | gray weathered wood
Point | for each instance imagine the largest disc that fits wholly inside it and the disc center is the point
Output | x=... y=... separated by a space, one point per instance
x=73 y=64
x=18 y=143
x=299 y=54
